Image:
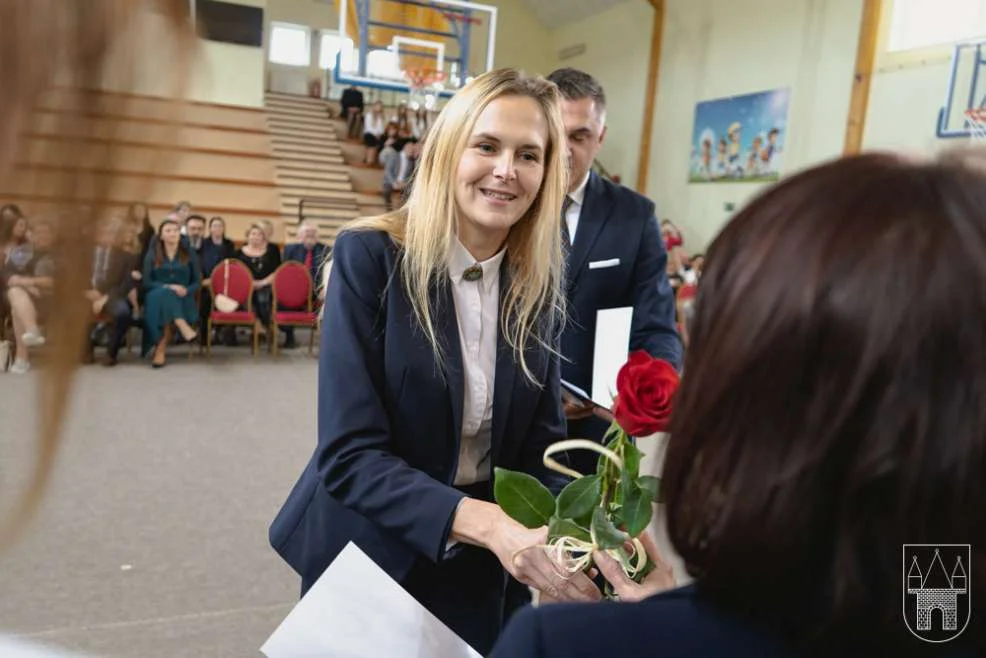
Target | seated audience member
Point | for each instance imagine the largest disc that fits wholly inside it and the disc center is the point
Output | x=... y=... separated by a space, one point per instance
x=831 y=413
x=140 y=218
x=27 y=294
x=171 y=279
x=403 y=120
x=261 y=258
x=131 y=242
x=419 y=124
x=313 y=254
x=352 y=110
x=374 y=125
x=111 y=285
x=399 y=159
x=15 y=244
x=215 y=248
x=195 y=231
x=676 y=273
x=409 y=166
x=696 y=264
x=180 y=213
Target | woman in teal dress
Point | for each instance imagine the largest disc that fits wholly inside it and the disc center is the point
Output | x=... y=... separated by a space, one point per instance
x=172 y=276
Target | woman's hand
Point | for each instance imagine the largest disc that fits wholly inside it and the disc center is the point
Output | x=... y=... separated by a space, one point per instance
x=261 y=283
x=181 y=291
x=519 y=550
x=136 y=275
x=658 y=580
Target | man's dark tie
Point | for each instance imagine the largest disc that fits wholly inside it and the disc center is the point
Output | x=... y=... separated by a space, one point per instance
x=309 y=255
x=566 y=239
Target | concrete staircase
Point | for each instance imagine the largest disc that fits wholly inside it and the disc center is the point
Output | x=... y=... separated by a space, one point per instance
x=309 y=165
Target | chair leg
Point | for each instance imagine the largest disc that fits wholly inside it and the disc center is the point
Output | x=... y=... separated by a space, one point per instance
x=273 y=341
x=311 y=340
x=208 y=338
x=256 y=339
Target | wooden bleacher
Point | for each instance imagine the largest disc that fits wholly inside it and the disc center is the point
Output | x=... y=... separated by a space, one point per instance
x=244 y=164
x=216 y=156
x=312 y=175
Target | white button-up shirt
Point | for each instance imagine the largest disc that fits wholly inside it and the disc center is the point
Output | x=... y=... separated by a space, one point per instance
x=575 y=208
x=477 y=312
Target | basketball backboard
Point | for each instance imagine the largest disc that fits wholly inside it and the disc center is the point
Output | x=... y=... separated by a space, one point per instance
x=454 y=37
x=966 y=90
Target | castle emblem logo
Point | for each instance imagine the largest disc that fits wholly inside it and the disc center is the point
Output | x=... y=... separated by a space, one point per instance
x=937 y=600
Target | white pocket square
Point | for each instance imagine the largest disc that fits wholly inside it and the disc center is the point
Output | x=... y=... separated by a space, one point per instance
x=601 y=264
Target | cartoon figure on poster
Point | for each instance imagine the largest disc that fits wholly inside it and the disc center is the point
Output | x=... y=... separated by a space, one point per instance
x=740 y=138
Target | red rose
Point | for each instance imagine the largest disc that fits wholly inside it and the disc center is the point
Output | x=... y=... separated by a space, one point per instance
x=644 y=388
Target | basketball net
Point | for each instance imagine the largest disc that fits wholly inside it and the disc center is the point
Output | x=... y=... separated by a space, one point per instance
x=421 y=82
x=976 y=120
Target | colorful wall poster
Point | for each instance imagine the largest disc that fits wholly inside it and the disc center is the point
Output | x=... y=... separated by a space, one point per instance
x=740 y=138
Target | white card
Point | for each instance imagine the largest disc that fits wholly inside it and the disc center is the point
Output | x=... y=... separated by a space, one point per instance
x=355 y=610
x=612 y=351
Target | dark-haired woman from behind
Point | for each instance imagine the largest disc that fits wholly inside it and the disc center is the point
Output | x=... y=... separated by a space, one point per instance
x=172 y=277
x=833 y=410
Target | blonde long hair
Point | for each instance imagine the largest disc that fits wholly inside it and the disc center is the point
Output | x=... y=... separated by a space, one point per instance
x=425 y=228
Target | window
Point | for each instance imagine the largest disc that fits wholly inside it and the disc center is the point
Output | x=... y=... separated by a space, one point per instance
x=330 y=43
x=918 y=24
x=290 y=44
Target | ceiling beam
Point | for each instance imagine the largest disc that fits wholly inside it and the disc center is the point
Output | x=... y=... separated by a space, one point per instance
x=650 y=95
x=869 y=36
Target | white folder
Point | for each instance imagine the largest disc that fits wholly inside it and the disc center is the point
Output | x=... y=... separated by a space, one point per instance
x=355 y=610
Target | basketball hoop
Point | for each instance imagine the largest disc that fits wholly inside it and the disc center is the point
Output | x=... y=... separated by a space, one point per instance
x=976 y=121
x=421 y=78
x=422 y=82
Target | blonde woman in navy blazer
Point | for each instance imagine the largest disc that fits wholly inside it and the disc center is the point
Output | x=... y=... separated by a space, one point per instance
x=439 y=361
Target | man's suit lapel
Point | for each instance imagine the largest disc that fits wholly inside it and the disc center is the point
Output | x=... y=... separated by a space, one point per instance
x=506 y=369
x=592 y=218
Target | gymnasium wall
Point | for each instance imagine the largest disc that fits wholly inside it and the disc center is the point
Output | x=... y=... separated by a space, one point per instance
x=907 y=93
x=718 y=48
x=316 y=15
x=222 y=73
x=616 y=51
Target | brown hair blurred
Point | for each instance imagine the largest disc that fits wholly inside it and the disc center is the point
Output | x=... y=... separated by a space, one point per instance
x=833 y=403
x=72 y=46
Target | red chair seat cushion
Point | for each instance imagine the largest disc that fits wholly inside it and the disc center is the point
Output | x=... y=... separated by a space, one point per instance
x=236 y=317
x=295 y=317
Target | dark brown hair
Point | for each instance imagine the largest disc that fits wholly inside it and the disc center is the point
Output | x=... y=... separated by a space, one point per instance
x=833 y=406
x=10 y=214
x=159 y=251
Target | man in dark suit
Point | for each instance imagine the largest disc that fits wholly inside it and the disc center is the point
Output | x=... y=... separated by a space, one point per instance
x=111 y=282
x=615 y=257
x=313 y=254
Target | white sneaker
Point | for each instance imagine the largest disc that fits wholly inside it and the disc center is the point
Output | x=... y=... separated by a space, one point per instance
x=20 y=367
x=33 y=339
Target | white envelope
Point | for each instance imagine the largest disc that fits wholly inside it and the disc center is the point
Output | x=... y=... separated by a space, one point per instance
x=612 y=351
x=355 y=610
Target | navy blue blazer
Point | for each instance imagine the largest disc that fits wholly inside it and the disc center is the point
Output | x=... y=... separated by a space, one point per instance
x=296 y=251
x=674 y=624
x=389 y=424
x=617 y=259
x=618 y=237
